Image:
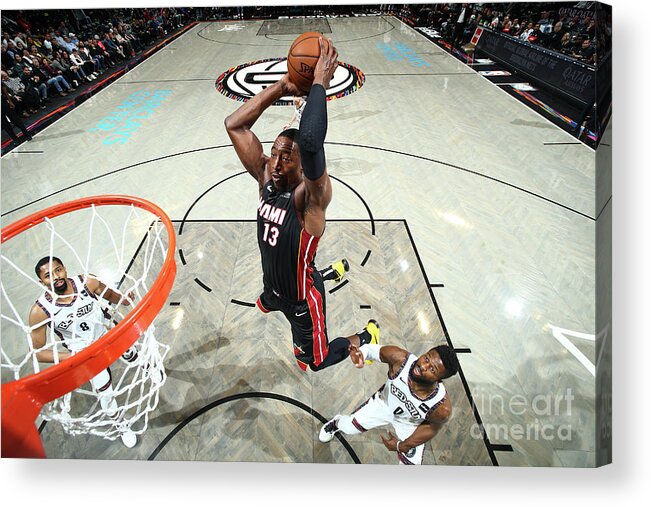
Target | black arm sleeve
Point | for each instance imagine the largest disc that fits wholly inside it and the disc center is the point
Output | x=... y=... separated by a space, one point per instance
x=312 y=132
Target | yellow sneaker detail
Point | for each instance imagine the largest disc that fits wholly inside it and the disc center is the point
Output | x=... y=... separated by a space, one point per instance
x=340 y=268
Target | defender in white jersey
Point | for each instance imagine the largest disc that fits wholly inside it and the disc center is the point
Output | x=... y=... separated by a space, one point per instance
x=413 y=399
x=71 y=306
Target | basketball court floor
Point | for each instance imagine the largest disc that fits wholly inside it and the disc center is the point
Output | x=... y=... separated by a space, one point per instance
x=467 y=218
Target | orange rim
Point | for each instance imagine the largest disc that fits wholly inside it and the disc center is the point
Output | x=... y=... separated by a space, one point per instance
x=23 y=399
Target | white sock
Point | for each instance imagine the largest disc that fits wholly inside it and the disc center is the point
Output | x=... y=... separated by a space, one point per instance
x=345 y=425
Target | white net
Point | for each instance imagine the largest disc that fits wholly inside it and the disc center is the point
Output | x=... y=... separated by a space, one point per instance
x=121 y=261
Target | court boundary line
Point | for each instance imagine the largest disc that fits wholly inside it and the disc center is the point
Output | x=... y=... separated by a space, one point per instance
x=497 y=87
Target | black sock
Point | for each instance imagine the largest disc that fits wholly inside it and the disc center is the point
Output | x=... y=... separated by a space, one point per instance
x=364 y=337
x=328 y=273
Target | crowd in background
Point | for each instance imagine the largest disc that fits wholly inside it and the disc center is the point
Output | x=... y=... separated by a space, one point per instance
x=572 y=32
x=46 y=53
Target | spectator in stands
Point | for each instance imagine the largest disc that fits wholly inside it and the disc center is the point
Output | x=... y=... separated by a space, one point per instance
x=566 y=46
x=27 y=58
x=35 y=90
x=110 y=36
x=98 y=51
x=7 y=58
x=68 y=45
x=87 y=56
x=19 y=40
x=52 y=78
x=460 y=19
x=591 y=29
x=86 y=66
x=546 y=25
x=73 y=39
x=469 y=30
x=36 y=76
x=586 y=53
x=17 y=91
x=58 y=40
x=515 y=27
x=524 y=35
x=111 y=48
x=124 y=43
x=19 y=65
x=50 y=68
x=47 y=46
x=30 y=42
x=130 y=36
x=506 y=25
x=63 y=60
x=535 y=35
x=35 y=54
x=554 y=41
x=11 y=48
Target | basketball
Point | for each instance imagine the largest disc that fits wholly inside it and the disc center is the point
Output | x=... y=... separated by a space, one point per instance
x=302 y=58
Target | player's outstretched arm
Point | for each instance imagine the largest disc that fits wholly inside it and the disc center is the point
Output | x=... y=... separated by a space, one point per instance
x=425 y=432
x=37 y=321
x=311 y=136
x=99 y=288
x=238 y=126
x=389 y=354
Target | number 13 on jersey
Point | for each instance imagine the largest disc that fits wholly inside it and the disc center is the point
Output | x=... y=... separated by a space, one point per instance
x=270 y=234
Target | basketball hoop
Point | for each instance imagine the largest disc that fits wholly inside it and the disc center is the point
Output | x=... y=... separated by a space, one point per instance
x=25 y=396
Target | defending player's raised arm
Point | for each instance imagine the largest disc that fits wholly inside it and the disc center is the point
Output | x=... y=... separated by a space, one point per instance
x=38 y=322
x=312 y=132
x=389 y=354
x=238 y=126
x=100 y=289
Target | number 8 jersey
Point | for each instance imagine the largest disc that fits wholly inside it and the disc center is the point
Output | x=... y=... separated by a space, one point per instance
x=78 y=323
x=287 y=250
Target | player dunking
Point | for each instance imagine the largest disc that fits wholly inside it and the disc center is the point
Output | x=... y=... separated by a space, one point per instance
x=413 y=400
x=295 y=190
x=71 y=307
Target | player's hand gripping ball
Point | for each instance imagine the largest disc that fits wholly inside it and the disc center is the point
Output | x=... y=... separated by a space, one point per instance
x=301 y=60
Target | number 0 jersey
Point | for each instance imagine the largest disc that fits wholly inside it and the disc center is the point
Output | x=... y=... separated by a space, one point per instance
x=404 y=404
x=78 y=323
x=287 y=250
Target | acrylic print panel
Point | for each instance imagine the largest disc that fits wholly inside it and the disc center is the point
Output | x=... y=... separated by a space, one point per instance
x=465 y=199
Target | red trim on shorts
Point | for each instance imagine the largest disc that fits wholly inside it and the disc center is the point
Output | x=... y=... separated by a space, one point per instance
x=306 y=252
x=261 y=307
x=319 y=341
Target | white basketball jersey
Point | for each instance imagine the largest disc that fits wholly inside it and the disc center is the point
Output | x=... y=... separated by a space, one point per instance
x=404 y=404
x=78 y=323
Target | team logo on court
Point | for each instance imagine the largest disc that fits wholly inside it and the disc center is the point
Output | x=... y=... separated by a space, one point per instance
x=245 y=81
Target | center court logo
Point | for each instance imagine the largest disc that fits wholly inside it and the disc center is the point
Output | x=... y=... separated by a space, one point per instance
x=245 y=81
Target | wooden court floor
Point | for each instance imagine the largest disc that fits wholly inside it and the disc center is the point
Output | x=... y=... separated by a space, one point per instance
x=478 y=213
